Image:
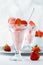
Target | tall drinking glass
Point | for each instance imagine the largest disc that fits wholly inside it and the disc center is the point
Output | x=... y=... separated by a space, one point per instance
x=18 y=34
x=30 y=34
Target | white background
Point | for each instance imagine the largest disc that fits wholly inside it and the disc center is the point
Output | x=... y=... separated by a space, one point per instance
x=22 y=9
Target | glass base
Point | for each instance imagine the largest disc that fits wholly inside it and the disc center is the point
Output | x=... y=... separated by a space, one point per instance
x=19 y=58
x=16 y=57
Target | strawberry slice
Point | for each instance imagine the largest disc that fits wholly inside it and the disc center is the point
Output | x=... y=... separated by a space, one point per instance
x=24 y=22
x=32 y=23
x=34 y=56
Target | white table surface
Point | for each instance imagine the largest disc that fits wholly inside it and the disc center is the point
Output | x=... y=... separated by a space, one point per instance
x=5 y=60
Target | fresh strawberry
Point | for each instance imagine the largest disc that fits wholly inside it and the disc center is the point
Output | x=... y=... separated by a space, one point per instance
x=36 y=49
x=34 y=56
x=32 y=23
x=7 y=48
x=11 y=21
x=18 y=22
x=42 y=33
x=24 y=22
x=38 y=33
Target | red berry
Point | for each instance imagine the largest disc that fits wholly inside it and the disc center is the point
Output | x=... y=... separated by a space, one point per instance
x=34 y=56
x=24 y=22
x=32 y=23
x=7 y=48
x=18 y=22
x=11 y=21
x=38 y=33
x=36 y=49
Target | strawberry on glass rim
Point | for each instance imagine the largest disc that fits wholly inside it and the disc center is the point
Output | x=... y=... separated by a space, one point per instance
x=17 y=22
x=20 y=22
x=24 y=22
x=11 y=21
x=32 y=23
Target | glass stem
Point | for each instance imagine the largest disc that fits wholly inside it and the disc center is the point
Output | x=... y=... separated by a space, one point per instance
x=17 y=53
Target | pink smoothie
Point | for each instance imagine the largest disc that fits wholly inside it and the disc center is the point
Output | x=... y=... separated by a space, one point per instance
x=29 y=37
x=18 y=37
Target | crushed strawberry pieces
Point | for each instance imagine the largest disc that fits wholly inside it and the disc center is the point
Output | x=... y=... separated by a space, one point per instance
x=38 y=33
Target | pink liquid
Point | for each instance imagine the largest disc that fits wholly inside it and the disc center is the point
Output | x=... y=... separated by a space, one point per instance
x=29 y=37
x=30 y=34
x=18 y=36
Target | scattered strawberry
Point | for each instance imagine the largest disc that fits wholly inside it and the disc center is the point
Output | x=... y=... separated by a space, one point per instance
x=34 y=56
x=7 y=48
x=38 y=33
x=42 y=33
x=36 y=49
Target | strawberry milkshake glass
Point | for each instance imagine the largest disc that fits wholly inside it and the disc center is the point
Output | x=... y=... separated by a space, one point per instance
x=30 y=33
x=18 y=28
